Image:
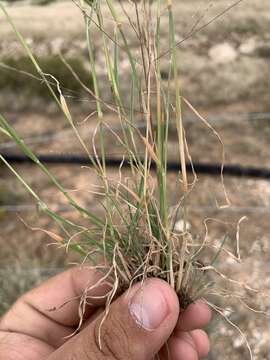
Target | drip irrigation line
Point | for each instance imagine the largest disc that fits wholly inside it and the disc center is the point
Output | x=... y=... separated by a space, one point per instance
x=172 y=166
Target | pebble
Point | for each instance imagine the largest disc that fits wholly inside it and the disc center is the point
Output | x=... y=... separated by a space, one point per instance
x=223 y=53
x=248 y=47
x=180 y=226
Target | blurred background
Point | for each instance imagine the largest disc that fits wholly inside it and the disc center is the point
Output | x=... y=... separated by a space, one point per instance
x=224 y=74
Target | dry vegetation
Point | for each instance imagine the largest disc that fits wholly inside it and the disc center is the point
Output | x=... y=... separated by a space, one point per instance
x=238 y=85
x=206 y=81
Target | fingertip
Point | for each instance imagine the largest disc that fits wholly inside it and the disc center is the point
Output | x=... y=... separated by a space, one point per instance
x=182 y=347
x=201 y=341
x=197 y=315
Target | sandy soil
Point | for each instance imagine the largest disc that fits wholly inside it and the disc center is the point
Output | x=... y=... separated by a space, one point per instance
x=240 y=73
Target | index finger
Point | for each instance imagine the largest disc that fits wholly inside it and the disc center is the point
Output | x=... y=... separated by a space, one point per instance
x=59 y=297
x=52 y=310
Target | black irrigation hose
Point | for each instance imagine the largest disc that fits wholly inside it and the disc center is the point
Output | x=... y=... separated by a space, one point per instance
x=173 y=166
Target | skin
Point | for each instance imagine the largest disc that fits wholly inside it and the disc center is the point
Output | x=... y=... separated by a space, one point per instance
x=38 y=327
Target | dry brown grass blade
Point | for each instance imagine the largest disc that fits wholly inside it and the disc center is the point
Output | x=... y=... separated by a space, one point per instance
x=226 y=318
x=228 y=202
x=52 y=235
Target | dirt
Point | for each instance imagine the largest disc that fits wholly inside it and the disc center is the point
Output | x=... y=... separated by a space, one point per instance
x=225 y=93
x=205 y=81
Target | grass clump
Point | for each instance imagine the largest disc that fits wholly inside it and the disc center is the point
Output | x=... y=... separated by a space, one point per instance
x=136 y=237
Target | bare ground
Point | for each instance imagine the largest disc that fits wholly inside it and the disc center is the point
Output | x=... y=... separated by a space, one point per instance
x=206 y=81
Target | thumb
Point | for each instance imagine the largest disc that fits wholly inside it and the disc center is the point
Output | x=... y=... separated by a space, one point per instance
x=137 y=326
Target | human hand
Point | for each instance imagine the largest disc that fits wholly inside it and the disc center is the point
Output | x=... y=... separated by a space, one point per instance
x=134 y=328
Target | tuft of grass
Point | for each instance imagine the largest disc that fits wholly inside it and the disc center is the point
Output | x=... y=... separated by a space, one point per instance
x=136 y=237
x=137 y=231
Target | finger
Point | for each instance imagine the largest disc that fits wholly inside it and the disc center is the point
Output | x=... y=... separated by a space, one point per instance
x=196 y=316
x=21 y=347
x=201 y=341
x=138 y=324
x=40 y=313
x=59 y=298
x=189 y=345
x=181 y=346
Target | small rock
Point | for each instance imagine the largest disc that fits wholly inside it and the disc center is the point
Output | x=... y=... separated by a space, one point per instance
x=238 y=342
x=180 y=226
x=223 y=53
x=248 y=47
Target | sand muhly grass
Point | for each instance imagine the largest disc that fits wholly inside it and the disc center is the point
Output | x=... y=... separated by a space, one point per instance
x=137 y=236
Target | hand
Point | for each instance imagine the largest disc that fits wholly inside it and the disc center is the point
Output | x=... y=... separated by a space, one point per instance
x=142 y=324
